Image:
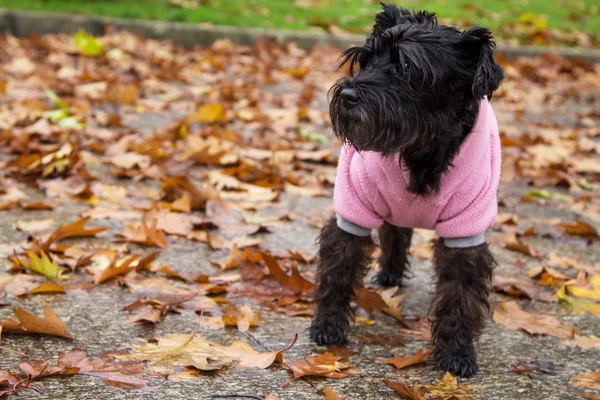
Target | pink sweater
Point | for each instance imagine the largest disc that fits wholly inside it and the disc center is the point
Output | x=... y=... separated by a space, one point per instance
x=370 y=189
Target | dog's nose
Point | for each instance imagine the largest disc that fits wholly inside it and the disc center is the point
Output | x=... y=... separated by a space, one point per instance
x=349 y=96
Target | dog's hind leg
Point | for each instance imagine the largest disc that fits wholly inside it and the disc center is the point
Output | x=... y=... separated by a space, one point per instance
x=344 y=260
x=459 y=311
x=395 y=243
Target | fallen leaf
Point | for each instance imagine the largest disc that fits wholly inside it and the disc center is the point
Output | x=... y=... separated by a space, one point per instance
x=144 y=234
x=74 y=229
x=326 y=365
x=402 y=362
x=330 y=394
x=589 y=380
x=513 y=317
x=417 y=392
x=49 y=324
x=514 y=243
x=42 y=265
x=173 y=353
x=580 y=228
x=448 y=388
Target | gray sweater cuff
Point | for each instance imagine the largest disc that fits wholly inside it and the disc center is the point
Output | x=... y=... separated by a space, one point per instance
x=464 y=242
x=352 y=228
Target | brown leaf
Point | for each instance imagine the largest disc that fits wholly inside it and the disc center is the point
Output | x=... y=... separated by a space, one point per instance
x=326 y=365
x=172 y=353
x=74 y=229
x=50 y=287
x=417 y=392
x=513 y=317
x=113 y=270
x=580 y=228
x=402 y=362
x=330 y=394
x=50 y=324
x=514 y=243
x=77 y=362
x=589 y=380
x=144 y=234
x=448 y=388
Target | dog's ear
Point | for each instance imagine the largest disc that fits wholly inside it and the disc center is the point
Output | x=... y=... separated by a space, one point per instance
x=479 y=44
x=388 y=18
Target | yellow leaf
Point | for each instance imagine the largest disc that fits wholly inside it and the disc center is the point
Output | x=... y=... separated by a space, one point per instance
x=87 y=44
x=448 y=388
x=209 y=114
x=42 y=265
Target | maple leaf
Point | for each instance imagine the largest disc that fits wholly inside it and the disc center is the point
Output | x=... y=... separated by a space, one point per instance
x=42 y=265
x=402 y=362
x=144 y=234
x=113 y=270
x=25 y=322
x=417 y=392
x=243 y=319
x=74 y=229
x=295 y=282
x=77 y=362
x=448 y=388
x=513 y=317
x=173 y=353
x=326 y=365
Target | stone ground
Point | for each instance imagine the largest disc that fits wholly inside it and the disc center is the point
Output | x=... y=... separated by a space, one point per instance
x=96 y=319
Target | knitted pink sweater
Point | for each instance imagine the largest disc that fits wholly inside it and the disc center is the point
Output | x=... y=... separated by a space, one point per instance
x=370 y=189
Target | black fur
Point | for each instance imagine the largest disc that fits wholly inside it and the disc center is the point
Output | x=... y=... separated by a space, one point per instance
x=343 y=262
x=394 y=242
x=414 y=90
x=458 y=312
x=418 y=83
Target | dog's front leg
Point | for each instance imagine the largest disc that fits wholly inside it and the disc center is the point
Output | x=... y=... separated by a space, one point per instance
x=344 y=260
x=464 y=276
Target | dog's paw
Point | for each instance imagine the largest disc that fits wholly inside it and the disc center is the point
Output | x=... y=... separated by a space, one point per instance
x=463 y=365
x=387 y=279
x=329 y=332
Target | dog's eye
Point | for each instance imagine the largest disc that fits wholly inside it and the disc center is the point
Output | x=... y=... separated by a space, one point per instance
x=406 y=68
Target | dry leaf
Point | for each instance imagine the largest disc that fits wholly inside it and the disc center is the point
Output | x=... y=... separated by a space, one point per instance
x=417 y=392
x=514 y=243
x=448 y=388
x=144 y=234
x=579 y=228
x=589 y=380
x=402 y=362
x=49 y=324
x=173 y=353
x=513 y=317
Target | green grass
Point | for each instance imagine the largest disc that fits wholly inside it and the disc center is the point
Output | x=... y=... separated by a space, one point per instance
x=352 y=15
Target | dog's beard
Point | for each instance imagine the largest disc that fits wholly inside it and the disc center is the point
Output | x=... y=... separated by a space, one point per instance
x=376 y=123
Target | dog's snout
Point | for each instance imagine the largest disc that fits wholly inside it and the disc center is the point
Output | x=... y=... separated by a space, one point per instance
x=349 y=96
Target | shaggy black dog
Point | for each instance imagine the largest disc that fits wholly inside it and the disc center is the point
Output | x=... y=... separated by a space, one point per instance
x=415 y=90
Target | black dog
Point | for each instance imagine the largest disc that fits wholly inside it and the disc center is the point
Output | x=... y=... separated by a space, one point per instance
x=416 y=97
